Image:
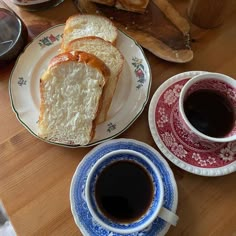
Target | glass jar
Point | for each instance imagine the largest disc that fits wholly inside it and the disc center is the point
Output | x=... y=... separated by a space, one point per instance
x=14 y=34
x=36 y=5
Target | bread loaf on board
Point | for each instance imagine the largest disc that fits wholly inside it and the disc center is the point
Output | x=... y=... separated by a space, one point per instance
x=128 y=5
x=132 y=5
x=70 y=91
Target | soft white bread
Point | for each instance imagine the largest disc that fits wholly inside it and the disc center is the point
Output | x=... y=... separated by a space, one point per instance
x=70 y=91
x=78 y=26
x=113 y=60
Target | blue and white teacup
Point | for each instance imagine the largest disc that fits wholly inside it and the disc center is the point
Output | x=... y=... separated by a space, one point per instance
x=155 y=208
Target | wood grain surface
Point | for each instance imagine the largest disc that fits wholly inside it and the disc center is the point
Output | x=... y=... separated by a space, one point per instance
x=35 y=176
x=207 y=13
x=160 y=29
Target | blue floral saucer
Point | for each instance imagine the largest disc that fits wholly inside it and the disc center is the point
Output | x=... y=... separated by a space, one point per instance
x=87 y=225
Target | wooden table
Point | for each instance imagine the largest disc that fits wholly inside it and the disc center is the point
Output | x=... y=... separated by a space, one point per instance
x=35 y=176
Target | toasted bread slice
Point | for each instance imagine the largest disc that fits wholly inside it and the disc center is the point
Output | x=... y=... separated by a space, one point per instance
x=70 y=91
x=114 y=61
x=132 y=5
x=128 y=5
x=78 y=26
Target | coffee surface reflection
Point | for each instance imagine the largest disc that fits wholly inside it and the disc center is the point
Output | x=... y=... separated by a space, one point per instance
x=210 y=112
x=124 y=191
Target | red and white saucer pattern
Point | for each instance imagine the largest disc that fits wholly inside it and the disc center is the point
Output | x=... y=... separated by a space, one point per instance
x=180 y=146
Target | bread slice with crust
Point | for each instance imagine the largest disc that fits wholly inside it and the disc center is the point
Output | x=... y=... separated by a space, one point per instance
x=83 y=25
x=70 y=91
x=128 y=5
x=132 y=5
x=114 y=61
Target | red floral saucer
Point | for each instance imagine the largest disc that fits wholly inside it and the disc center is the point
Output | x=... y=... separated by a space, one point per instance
x=179 y=146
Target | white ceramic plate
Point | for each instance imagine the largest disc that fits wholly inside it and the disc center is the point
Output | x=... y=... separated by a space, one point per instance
x=129 y=100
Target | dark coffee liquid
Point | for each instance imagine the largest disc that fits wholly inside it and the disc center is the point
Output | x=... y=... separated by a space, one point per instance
x=124 y=191
x=210 y=112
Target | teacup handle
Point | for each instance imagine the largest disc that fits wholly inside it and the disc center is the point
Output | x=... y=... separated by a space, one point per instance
x=168 y=216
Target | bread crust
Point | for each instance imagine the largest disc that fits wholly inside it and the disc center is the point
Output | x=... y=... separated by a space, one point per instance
x=132 y=5
x=82 y=57
x=138 y=6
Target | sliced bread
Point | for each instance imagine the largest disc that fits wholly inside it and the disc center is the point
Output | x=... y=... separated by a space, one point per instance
x=82 y=25
x=70 y=91
x=128 y=5
x=113 y=60
x=132 y=5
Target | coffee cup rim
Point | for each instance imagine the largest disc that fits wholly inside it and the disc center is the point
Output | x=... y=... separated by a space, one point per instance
x=154 y=213
x=193 y=80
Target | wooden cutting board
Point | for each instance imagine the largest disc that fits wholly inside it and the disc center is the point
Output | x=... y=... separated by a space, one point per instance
x=161 y=29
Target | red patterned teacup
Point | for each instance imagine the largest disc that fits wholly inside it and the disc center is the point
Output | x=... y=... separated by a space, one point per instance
x=207 y=106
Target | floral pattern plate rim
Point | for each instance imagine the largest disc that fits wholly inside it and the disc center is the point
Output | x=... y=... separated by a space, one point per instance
x=83 y=218
x=128 y=102
x=194 y=156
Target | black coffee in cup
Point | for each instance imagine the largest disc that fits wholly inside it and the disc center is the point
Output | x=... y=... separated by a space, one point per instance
x=124 y=191
x=210 y=112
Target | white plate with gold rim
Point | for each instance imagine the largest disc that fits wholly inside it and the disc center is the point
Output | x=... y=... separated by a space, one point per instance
x=129 y=100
